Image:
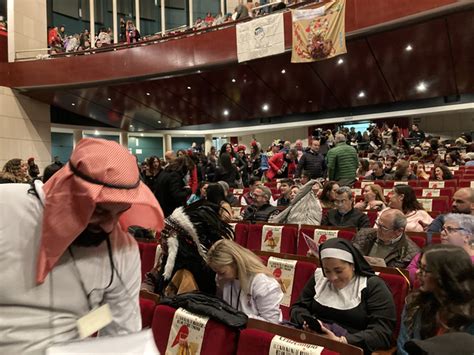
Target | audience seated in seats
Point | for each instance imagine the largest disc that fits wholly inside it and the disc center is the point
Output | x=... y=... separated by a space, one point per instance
x=345 y=215
x=342 y=162
x=441 y=173
x=216 y=195
x=417 y=154
x=285 y=191
x=328 y=195
x=458 y=229
x=444 y=301
x=200 y=193
x=388 y=241
x=261 y=209
x=189 y=232
x=312 y=162
x=294 y=191
x=244 y=282
x=248 y=198
x=354 y=304
x=421 y=173
x=403 y=171
x=373 y=198
x=403 y=198
x=282 y=164
x=378 y=172
x=363 y=169
x=463 y=202
x=304 y=208
x=14 y=171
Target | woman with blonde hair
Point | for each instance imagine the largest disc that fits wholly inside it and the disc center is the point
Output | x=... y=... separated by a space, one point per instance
x=245 y=282
x=373 y=198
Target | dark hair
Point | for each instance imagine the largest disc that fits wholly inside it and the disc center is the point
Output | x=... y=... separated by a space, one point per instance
x=49 y=171
x=364 y=166
x=447 y=174
x=223 y=149
x=410 y=203
x=289 y=182
x=200 y=186
x=150 y=162
x=225 y=162
x=451 y=301
x=325 y=192
x=215 y=194
x=253 y=180
x=179 y=165
x=401 y=170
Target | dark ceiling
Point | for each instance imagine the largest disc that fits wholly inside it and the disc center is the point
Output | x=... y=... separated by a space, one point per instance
x=377 y=69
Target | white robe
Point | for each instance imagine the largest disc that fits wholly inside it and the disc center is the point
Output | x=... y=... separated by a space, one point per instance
x=263 y=302
x=34 y=317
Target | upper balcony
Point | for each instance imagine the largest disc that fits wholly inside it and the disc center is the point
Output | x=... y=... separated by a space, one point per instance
x=115 y=84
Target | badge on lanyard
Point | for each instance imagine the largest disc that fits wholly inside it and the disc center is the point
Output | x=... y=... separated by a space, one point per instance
x=93 y=321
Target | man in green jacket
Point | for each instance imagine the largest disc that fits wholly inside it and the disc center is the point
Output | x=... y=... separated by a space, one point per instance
x=342 y=162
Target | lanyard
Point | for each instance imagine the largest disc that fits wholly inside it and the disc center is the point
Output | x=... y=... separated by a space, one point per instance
x=232 y=295
x=81 y=281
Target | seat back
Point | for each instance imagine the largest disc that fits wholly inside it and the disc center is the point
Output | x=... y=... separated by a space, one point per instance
x=147 y=256
x=218 y=339
x=241 y=233
x=147 y=310
x=302 y=249
x=287 y=244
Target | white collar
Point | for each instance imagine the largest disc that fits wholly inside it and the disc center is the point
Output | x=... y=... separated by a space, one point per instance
x=39 y=190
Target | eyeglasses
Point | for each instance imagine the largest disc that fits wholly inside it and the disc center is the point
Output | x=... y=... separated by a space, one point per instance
x=449 y=230
x=423 y=270
x=383 y=228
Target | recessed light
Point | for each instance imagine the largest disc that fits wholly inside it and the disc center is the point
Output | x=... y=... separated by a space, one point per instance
x=109 y=99
x=73 y=104
x=233 y=80
x=283 y=71
x=96 y=133
x=310 y=101
x=189 y=87
x=265 y=107
x=409 y=48
x=159 y=122
x=340 y=61
x=148 y=94
x=226 y=112
x=199 y=72
x=141 y=135
x=421 y=87
x=297 y=86
x=361 y=94
x=225 y=137
x=131 y=126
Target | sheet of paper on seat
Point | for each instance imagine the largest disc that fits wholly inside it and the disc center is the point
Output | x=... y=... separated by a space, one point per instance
x=94 y=321
x=436 y=184
x=431 y=193
x=141 y=343
x=282 y=345
x=374 y=261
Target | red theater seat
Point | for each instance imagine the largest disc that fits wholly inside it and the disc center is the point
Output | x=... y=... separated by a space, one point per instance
x=147 y=309
x=347 y=234
x=147 y=255
x=288 y=238
x=241 y=234
x=218 y=338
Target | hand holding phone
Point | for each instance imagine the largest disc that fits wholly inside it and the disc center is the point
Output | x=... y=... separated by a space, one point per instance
x=313 y=323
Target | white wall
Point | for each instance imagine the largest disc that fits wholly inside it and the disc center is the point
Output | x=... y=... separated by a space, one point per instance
x=25 y=129
x=27 y=27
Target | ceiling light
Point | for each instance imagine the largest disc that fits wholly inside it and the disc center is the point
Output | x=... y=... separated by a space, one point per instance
x=409 y=48
x=421 y=87
x=73 y=104
x=159 y=122
x=199 y=72
x=96 y=133
x=283 y=71
x=310 y=101
x=225 y=137
x=340 y=61
x=109 y=99
x=148 y=94
x=233 y=80
x=226 y=112
x=189 y=87
x=297 y=86
x=265 y=107
x=361 y=94
x=131 y=126
x=141 y=134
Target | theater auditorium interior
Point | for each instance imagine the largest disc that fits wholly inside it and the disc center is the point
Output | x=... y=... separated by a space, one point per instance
x=317 y=155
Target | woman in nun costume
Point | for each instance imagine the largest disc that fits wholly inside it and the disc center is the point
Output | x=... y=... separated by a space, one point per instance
x=354 y=305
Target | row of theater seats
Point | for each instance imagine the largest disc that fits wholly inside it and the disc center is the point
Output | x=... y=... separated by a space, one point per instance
x=256 y=339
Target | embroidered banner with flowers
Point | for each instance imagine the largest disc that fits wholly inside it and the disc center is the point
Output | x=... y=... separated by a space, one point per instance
x=319 y=33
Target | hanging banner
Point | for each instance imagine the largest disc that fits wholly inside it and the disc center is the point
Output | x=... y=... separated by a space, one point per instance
x=186 y=334
x=261 y=37
x=321 y=235
x=284 y=346
x=284 y=272
x=271 y=238
x=320 y=33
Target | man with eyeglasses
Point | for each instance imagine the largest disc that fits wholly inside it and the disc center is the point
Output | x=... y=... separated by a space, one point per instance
x=345 y=215
x=261 y=209
x=463 y=202
x=388 y=241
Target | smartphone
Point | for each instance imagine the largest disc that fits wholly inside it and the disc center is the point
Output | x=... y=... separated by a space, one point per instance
x=313 y=323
